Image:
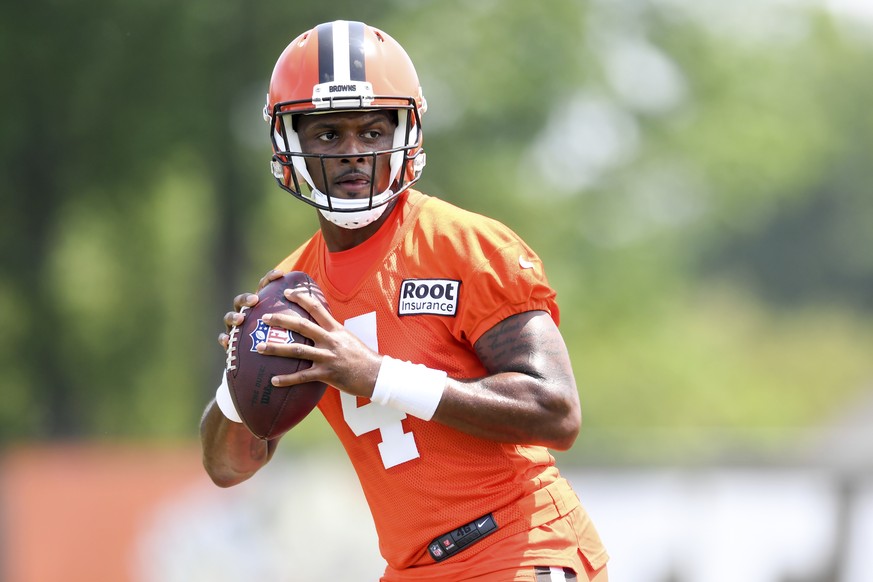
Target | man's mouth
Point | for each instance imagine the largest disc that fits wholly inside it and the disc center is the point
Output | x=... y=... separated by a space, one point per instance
x=354 y=183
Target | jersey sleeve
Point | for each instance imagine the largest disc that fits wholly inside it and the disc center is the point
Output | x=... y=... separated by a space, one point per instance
x=505 y=277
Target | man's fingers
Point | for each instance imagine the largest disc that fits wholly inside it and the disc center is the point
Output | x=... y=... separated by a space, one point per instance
x=244 y=300
x=312 y=305
x=294 y=322
x=271 y=275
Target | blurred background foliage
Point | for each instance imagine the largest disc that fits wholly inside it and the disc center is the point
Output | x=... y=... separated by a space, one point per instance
x=696 y=176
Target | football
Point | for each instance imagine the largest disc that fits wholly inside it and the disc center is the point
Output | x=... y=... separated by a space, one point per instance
x=266 y=410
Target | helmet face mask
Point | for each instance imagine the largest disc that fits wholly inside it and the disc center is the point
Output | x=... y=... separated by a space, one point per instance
x=340 y=67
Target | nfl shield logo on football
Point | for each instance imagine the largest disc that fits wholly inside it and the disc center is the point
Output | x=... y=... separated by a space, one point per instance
x=263 y=333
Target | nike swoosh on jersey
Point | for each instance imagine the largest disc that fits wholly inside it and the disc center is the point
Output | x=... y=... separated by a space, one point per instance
x=524 y=263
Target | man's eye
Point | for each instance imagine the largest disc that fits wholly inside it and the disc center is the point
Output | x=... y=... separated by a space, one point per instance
x=327 y=136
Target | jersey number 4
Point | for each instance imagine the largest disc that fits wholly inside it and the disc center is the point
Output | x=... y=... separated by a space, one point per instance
x=397 y=446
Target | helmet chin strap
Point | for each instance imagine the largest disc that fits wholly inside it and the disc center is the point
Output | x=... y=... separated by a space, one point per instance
x=351 y=220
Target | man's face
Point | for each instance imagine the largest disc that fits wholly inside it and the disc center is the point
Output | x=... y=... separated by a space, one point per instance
x=350 y=135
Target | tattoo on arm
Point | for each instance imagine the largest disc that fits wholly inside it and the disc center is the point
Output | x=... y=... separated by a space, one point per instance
x=516 y=345
x=507 y=346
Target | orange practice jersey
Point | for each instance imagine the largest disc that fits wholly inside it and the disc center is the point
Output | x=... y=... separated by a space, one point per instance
x=434 y=279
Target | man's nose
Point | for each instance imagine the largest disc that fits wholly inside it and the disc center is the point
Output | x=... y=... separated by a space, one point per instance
x=354 y=149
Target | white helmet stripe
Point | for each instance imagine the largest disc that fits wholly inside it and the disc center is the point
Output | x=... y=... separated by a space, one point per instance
x=341 y=55
x=341 y=51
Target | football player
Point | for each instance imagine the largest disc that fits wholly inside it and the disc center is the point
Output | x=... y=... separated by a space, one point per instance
x=449 y=380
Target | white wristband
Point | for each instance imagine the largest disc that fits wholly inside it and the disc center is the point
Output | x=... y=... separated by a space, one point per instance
x=224 y=400
x=411 y=388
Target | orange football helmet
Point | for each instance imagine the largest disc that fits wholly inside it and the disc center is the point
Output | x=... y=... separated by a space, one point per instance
x=343 y=66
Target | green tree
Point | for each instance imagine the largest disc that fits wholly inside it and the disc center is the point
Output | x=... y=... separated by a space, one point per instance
x=697 y=188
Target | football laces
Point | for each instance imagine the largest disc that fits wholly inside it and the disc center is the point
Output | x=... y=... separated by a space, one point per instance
x=230 y=364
